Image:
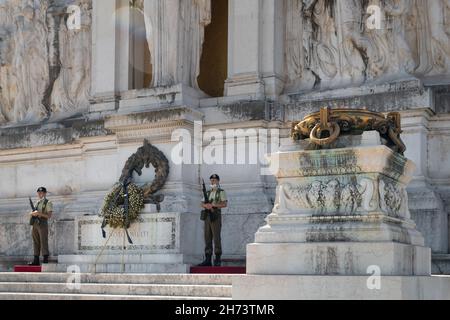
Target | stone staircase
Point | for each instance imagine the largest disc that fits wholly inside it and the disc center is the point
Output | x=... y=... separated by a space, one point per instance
x=54 y=286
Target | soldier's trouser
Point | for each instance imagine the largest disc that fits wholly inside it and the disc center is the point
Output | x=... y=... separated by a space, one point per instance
x=40 y=239
x=212 y=233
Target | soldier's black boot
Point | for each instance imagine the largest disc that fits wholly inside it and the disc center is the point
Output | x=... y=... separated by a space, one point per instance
x=217 y=261
x=45 y=260
x=207 y=262
x=35 y=261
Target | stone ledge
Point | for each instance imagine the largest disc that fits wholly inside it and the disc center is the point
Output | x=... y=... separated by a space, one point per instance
x=339 y=288
x=337 y=258
x=60 y=133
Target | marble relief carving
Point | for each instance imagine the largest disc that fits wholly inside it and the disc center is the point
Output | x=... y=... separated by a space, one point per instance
x=393 y=199
x=333 y=197
x=342 y=197
x=329 y=45
x=44 y=67
x=71 y=89
x=175 y=34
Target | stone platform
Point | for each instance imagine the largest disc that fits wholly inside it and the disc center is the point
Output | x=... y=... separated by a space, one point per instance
x=335 y=258
x=155 y=247
x=112 y=263
x=297 y=287
x=60 y=286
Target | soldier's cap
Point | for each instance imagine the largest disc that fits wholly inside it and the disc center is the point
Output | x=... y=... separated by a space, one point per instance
x=214 y=176
x=42 y=189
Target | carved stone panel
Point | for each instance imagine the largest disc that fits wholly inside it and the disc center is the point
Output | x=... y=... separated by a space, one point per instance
x=44 y=64
x=327 y=197
x=331 y=44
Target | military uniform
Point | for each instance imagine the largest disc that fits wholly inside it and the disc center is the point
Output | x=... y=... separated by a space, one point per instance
x=40 y=229
x=213 y=224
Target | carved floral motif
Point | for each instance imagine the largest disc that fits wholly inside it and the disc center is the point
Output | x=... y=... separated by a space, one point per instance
x=393 y=198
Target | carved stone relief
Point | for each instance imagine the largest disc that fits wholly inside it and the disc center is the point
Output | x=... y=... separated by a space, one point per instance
x=331 y=197
x=329 y=44
x=71 y=89
x=44 y=67
x=175 y=34
x=393 y=199
x=341 y=197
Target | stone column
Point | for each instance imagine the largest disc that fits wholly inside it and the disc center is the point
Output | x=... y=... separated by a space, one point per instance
x=255 y=53
x=426 y=205
x=110 y=48
x=124 y=18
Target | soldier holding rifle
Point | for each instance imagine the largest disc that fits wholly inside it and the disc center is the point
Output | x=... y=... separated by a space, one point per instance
x=40 y=215
x=214 y=201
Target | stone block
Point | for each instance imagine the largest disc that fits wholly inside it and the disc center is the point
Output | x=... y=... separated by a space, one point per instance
x=295 y=287
x=349 y=258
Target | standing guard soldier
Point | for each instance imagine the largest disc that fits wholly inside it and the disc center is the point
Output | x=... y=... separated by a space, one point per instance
x=39 y=221
x=213 y=222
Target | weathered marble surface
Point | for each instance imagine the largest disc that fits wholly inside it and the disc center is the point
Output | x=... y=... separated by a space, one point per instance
x=44 y=66
x=319 y=45
x=330 y=44
x=336 y=210
x=71 y=90
x=333 y=226
x=292 y=287
x=175 y=34
x=152 y=233
x=295 y=47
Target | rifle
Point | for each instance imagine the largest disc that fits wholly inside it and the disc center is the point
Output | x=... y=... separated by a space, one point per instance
x=33 y=219
x=206 y=212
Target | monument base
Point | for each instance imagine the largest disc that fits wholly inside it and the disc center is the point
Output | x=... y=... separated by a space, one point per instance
x=334 y=258
x=280 y=287
x=116 y=263
x=155 y=247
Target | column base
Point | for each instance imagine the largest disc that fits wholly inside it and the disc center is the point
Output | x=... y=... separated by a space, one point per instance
x=280 y=287
x=336 y=258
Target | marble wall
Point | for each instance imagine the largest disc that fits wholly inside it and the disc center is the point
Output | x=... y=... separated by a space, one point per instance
x=70 y=115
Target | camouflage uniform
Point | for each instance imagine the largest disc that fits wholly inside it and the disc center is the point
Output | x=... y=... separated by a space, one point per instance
x=213 y=224
x=40 y=229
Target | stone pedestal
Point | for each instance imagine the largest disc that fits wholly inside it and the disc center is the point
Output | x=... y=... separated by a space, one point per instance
x=340 y=214
x=155 y=248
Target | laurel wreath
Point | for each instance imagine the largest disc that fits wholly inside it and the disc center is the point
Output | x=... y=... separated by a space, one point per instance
x=113 y=210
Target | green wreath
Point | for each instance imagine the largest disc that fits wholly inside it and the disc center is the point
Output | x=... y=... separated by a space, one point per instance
x=113 y=210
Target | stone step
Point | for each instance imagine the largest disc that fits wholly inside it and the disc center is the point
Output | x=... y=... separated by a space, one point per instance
x=120 y=289
x=60 y=296
x=117 y=258
x=117 y=268
x=111 y=278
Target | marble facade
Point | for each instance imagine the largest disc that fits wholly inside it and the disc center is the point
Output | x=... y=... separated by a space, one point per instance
x=71 y=111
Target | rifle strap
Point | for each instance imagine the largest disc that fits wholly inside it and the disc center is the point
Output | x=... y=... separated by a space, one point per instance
x=128 y=237
x=216 y=196
x=44 y=206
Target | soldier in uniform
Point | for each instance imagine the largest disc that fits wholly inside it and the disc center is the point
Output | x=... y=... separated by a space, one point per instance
x=213 y=222
x=40 y=217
